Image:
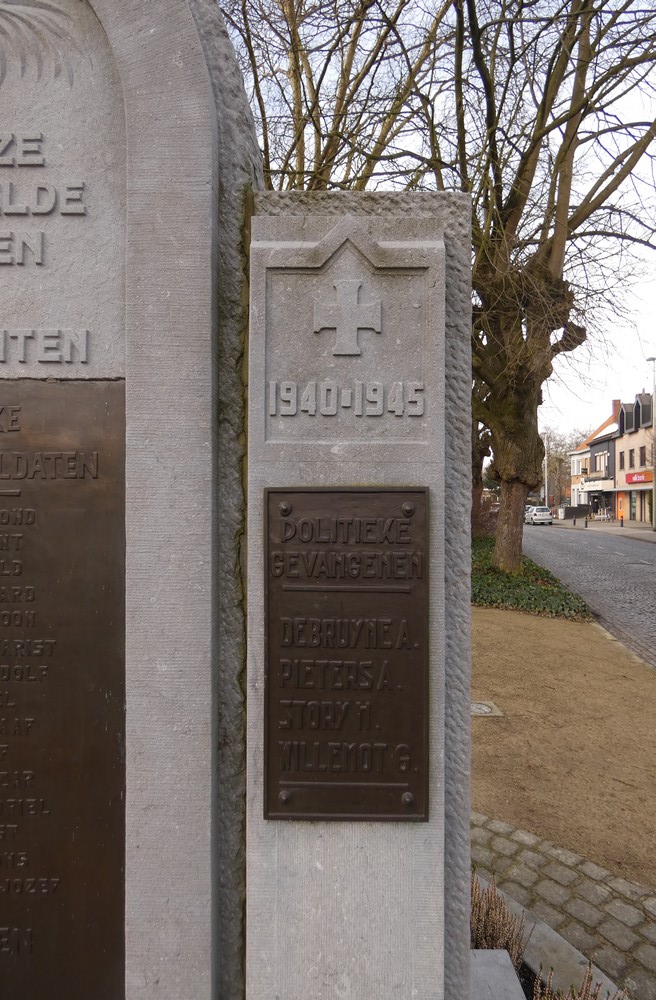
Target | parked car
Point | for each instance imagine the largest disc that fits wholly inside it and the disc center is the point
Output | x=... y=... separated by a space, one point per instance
x=538 y=515
x=527 y=512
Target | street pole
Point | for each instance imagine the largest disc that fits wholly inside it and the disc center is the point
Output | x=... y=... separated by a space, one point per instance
x=546 y=474
x=653 y=443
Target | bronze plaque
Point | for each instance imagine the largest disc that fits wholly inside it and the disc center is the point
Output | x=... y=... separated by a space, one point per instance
x=61 y=690
x=346 y=689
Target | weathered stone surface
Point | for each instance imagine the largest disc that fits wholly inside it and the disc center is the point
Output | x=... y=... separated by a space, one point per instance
x=525 y=838
x=240 y=171
x=561 y=874
x=186 y=120
x=594 y=892
x=617 y=933
x=577 y=936
x=523 y=874
x=552 y=891
x=625 y=912
x=516 y=891
x=504 y=846
x=338 y=855
x=583 y=911
x=493 y=976
x=647 y=955
x=63 y=223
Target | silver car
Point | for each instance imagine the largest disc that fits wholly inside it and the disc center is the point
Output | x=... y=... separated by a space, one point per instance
x=538 y=515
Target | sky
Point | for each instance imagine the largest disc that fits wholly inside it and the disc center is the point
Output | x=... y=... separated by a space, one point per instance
x=579 y=394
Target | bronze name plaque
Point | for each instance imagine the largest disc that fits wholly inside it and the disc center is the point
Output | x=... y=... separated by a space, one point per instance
x=61 y=690
x=346 y=689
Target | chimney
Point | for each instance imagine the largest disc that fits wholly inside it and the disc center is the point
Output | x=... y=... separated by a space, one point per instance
x=617 y=406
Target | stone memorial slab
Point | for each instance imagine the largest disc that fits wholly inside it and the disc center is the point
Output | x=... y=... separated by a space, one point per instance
x=110 y=509
x=62 y=493
x=348 y=396
x=62 y=195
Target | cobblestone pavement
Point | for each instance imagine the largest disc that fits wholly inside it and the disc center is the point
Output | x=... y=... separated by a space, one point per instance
x=612 y=568
x=609 y=920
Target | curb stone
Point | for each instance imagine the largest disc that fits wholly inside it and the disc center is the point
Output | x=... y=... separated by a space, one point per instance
x=581 y=913
x=546 y=950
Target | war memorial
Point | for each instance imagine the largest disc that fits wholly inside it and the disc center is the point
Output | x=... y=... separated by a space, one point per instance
x=234 y=488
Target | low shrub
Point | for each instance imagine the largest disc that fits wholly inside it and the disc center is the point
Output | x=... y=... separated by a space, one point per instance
x=534 y=589
x=587 y=991
x=492 y=925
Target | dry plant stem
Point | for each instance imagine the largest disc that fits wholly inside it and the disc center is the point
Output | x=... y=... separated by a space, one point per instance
x=494 y=926
x=492 y=923
x=585 y=992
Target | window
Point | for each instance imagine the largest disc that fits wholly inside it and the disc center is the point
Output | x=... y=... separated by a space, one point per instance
x=629 y=416
x=632 y=458
x=643 y=455
x=621 y=460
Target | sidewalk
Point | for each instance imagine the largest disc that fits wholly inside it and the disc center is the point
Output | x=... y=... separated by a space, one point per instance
x=610 y=920
x=634 y=529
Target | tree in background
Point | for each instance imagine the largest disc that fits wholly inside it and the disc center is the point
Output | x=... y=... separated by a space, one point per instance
x=537 y=108
x=557 y=448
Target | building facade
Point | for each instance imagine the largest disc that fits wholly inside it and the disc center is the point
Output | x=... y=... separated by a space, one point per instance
x=612 y=470
x=635 y=460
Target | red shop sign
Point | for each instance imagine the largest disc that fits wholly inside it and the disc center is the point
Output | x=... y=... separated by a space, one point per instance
x=639 y=477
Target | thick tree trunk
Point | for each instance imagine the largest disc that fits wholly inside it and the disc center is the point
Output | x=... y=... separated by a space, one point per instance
x=518 y=454
x=510 y=526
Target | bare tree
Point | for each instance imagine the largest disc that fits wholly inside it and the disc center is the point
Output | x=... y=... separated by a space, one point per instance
x=538 y=108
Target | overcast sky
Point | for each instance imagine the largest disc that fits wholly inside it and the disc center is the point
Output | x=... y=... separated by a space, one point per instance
x=579 y=394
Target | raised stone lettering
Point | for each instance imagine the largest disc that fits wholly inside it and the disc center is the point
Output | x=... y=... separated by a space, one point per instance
x=16 y=248
x=44 y=346
x=21 y=149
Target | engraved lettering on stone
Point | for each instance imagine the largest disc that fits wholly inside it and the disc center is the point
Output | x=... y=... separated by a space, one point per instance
x=347 y=316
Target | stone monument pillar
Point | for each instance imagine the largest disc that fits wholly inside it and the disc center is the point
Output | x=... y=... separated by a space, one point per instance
x=124 y=158
x=358 y=598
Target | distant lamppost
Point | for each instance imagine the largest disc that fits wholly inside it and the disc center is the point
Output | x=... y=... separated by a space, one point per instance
x=653 y=443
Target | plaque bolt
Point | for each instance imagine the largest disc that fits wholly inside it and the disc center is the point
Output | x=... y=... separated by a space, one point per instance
x=285 y=508
x=408 y=799
x=408 y=509
x=284 y=798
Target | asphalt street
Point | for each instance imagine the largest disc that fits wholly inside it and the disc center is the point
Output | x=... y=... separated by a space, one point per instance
x=614 y=572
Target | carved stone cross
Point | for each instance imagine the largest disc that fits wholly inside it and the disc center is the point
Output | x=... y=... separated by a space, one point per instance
x=347 y=317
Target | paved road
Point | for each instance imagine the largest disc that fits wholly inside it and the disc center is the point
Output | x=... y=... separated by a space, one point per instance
x=614 y=573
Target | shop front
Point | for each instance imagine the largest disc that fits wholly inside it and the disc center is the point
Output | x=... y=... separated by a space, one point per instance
x=599 y=496
x=634 y=501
